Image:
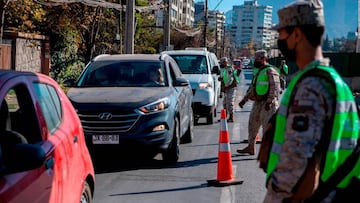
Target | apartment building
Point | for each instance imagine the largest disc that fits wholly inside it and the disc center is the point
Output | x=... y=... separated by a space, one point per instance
x=251 y=24
x=181 y=12
x=216 y=20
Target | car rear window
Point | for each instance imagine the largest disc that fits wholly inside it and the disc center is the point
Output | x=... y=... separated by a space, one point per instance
x=191 y=64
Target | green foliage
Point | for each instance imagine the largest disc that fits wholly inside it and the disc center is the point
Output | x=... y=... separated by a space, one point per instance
x=79 y=32
x=147 y=36
x=24 y=15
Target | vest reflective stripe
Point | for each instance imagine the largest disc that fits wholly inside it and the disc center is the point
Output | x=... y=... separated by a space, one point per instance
x=262 y=82
x=342 y=144
x=224 y=147
x=344 y=133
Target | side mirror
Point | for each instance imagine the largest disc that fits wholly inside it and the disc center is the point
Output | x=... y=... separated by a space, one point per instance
x=181 y=82
x=69 y=82
x=22 y=157
x=216 y=70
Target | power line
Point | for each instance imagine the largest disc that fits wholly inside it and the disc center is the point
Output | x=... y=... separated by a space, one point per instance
x=217 y=5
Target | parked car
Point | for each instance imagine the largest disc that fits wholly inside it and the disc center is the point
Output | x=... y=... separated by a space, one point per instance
x=246 y=63
x=130 y=110
x=201 y=68
x=43 y=156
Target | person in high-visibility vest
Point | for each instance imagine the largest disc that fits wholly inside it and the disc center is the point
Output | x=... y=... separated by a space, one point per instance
x=317 y=125
x=229 y=78
x=264 y=91
x=283 y=71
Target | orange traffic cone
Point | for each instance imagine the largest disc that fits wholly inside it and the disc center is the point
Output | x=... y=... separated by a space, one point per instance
x=257 y=139
x=224 y=168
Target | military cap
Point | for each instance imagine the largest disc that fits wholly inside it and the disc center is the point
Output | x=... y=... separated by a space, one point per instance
x=259 y=54
x=306 y=12
x=224 y=59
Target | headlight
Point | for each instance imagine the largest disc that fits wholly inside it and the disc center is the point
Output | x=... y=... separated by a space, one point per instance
x=204 y=85
x=156 y=106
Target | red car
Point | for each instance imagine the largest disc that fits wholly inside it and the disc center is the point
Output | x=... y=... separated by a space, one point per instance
x=237 y=64
x=43 y=156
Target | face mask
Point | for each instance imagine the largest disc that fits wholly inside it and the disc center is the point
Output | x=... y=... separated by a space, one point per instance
x=258 y=64
x=290 y=55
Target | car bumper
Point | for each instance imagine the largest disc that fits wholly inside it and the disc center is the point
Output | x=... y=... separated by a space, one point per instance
x=201 y=110
x=150 y=132
x=204 y=97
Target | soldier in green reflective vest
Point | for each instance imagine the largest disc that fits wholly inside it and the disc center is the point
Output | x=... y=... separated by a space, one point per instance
x=264 y=91
x=283 y=71
x=229 y=78
x=316 y=127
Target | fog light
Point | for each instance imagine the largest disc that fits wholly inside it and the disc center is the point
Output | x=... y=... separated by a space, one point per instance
x=159 y=127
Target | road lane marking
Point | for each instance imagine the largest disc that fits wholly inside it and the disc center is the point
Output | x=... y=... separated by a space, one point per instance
x=228 y=192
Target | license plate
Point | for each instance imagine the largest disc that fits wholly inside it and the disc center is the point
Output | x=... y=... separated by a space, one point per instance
x=105 y=139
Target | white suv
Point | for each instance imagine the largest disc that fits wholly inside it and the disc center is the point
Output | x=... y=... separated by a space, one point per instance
x=201 y=68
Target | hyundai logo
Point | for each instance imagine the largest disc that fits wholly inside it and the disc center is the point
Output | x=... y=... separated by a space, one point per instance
x=105 y=116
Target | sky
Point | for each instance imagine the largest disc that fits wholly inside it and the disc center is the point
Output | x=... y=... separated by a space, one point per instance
x=224 y=5
x=340 y=15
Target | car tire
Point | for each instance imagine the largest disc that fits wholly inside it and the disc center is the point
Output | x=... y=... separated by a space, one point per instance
x=189 y=134
x=215 y=113
x=210 y=117
x=196 y=120
x=86 y=195
x=171 y=155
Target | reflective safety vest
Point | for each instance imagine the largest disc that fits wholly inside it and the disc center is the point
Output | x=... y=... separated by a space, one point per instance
x=283 y=69
x=344 y=132
x=226 y=76
x=262 y=81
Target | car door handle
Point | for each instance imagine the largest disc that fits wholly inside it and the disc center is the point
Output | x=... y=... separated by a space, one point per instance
x=75 y=139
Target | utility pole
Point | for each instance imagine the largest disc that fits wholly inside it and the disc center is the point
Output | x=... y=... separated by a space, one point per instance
x=129 y=26
x=120 y=28
x=223 y=42
x=167 y=20
x=206 y=22
x=118 y=40
x=216 y=33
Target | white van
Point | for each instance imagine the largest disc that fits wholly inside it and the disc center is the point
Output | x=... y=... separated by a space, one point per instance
x=201 y=68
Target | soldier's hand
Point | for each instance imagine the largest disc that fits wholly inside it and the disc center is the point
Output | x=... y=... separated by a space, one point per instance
x=242 y=103
x=267 y=106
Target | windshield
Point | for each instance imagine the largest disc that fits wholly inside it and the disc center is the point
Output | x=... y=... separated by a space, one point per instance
x=191 y=64
x=124 y=74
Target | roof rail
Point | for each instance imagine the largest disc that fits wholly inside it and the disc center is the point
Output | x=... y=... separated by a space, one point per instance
x=100 y=56
x=196 y=48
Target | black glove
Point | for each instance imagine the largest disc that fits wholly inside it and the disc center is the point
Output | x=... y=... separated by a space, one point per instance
x=242 y=103
x=267 y=106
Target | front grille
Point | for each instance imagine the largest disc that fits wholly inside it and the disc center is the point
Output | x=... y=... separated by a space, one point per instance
x=120 y=121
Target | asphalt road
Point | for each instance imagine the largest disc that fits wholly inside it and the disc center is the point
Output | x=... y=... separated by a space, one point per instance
x=151 y=181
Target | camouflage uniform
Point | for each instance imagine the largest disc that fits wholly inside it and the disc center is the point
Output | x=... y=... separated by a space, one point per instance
x=229 y=74
x=259 y=116
x=312 y=102
x=316 y=105
x=230 y=91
